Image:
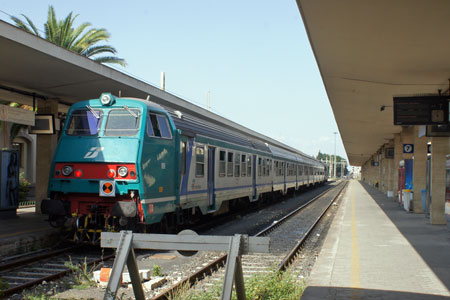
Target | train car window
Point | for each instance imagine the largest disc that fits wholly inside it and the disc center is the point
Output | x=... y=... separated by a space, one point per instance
x=183 y=157
x=222 y=162
x=282 y=168
x=270 y=166
x=199 y=161
x=237 y=165
x=264 y=167
x=267 y=167
x=164 y=127
x=230 y=164
x=84 y=122
x=243 y=165
x=259 y=166
x=123 y=122
x=249 y=165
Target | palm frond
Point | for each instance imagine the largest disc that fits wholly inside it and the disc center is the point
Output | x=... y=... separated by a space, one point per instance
x=35 y=30
x=30 y=28
x=74 y=36
x=94 y=50
x=81 y=39
x=111 y=60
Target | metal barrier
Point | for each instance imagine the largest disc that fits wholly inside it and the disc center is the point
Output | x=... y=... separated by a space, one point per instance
x=127 y=241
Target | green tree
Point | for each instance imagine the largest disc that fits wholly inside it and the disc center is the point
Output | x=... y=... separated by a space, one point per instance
x=82 y=39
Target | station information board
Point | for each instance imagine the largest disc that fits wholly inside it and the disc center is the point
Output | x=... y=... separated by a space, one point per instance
x=421 y=110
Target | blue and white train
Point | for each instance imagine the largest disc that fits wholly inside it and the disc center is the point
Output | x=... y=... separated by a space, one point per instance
x=125 y=163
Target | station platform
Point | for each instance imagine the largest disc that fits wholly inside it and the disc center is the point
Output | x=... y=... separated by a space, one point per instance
x=376 y=250
x=27 y=231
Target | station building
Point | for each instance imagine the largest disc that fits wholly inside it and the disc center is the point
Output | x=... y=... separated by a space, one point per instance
x=368 y=53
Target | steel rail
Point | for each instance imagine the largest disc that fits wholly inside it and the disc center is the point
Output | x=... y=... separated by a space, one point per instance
x=207 y=270
x=21 y=261
x=288 y=259
x=50 y=277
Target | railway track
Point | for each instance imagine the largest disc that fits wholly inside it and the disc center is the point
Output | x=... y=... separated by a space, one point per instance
x=24 y=272
x=27 y=271
x=288 y=234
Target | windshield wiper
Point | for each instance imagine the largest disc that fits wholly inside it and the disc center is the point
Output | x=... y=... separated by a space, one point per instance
x=93 y=112
x=129 y=110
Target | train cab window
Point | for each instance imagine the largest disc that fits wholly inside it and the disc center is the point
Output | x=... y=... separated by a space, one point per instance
x=249 y=165
x=158 y=126
x=85 y=122
x=237 y=165
x=164 y=127
x=230 y=164
x=123 y=122
x=243 y=165
x=199 y=161
x=222 y=162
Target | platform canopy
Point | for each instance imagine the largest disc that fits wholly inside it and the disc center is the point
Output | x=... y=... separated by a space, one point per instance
x=370 y=51
x=31 y=65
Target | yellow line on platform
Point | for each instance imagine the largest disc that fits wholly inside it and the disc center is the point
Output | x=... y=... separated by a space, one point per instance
x=355 y=283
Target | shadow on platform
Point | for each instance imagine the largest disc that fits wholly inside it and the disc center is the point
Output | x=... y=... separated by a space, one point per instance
x=431 y=242
x=335 y=293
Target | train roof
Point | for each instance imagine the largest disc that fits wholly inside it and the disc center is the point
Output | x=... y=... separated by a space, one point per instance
x=190 y=124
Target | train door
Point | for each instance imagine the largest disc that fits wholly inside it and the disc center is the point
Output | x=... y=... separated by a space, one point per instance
x=254 y=176
x=186 y=149
x=211 y=172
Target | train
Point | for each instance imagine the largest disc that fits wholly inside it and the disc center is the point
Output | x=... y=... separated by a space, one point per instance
x=127 y=163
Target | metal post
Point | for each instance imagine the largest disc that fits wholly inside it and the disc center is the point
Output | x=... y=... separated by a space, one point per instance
x=233 y=271
x=124 y=249
x=334 y=174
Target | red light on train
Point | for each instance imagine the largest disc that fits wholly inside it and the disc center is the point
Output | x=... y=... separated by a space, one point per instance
x=78 y=173
x=111 y=173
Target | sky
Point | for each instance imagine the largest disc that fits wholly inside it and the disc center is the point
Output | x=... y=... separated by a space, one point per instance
x=252 y=56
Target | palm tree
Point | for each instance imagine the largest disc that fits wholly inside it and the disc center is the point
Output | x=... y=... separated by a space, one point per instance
x=62 y=33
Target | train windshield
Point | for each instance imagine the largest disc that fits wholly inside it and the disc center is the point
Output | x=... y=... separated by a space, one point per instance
x=85 y=122
x=123 y=122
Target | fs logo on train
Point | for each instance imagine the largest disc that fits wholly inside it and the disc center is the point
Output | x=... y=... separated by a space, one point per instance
x=107 y=188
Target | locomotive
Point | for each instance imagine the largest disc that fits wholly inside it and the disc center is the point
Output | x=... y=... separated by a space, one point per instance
x=126 y=163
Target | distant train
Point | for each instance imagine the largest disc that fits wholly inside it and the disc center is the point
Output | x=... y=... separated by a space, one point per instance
x=124 y=163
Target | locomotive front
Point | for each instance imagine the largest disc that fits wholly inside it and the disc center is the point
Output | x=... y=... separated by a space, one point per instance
x=94 y=182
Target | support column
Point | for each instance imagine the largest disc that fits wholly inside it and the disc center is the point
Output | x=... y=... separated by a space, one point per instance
x=419 y=169
x=407 y=137
x=439 y=150
x=383 y=169
x=45 y=148
x=389 y=170
x=398 y=156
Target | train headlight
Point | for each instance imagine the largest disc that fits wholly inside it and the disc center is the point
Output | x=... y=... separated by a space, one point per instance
x=123 y=171
x=67 y=170
x=105 y=99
